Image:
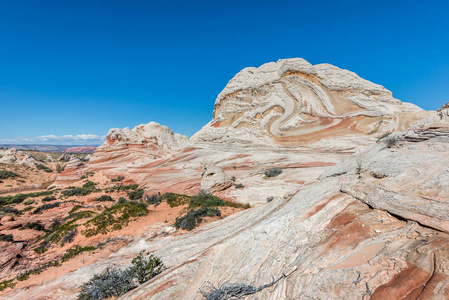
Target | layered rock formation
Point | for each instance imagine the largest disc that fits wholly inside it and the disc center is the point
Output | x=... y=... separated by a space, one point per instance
x=353 y=217
x=293 y=103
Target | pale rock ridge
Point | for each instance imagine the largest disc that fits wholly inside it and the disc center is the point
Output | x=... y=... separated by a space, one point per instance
x=445 y=106
x=439 y=119
x=29 y=160
x=152 y=132
x=9 y=156
x=292 y=102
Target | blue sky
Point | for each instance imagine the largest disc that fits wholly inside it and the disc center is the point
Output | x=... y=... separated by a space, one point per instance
x=70 y=70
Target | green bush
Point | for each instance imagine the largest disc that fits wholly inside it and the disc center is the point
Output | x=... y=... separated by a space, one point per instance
x=129 y=187
x=135 y=195
x=175 y=199
x=41 y=208
x=6 y=284
x=69 y=236
x=34 y=226
x=239 y=186
x=19 y=198
x=76 y=192
x=48 y=199
x=104 y=198
x=11 y=210
x=273 y=172
x=114 y=282
x=29 y=202
x=194 y=218
x=4 y=174
x=118 y=179
x=6 y=238
x=89 y=185
x=44 y=168
x=72 y=252
x=114 y=218
x=204 y=199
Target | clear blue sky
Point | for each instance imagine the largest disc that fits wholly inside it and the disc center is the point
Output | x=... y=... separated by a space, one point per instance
x=81 y=67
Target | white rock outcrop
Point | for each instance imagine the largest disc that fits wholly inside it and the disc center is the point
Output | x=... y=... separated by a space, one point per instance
x=291 y=102
x=214 y=179
x=151 y=133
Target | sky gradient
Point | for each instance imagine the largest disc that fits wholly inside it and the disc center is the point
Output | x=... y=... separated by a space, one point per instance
x=71 y=70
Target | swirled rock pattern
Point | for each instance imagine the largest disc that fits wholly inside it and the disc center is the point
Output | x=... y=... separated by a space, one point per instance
x=291 y=102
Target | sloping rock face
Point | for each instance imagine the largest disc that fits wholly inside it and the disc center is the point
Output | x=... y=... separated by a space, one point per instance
x=73 y=171
x=292 y=102
x=374 y=226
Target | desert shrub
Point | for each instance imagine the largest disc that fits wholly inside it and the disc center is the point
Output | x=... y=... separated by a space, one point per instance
x=6 y=284
x=6 y=238
x=144 y=268
x=204 y=199
x=104 y=198
x=269 y=199
x=10 y=210
x=59 y=229
x=47 y=206
x=129 y=187
x=19 y=198
x=29 y=202
x=239 y=186
x=42 y=248
x=89 y=185
x=69 y=237
x=118 y=179
x=273 y=172
x=48 y=198
x=59 y=168
x=114 y=218
x=34 y=226
x=79 y=214
x=175 y=199
x=122 y=200
x=55 y=223
x=383 y=136
x=234 y=290
x=114 y=282
x=76 y=192
x=27 y=209
x=44 y=168
x=154 y=199
x=37 y=270
x=75 y=209
x=233 y=178
x=137 y=194
x=72 y=252
x=4 y=174
x=391 y=141
x=194 y=218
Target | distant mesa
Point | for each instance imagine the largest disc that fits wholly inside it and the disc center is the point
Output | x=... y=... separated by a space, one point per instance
x=52 y=148
x=80 y=149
